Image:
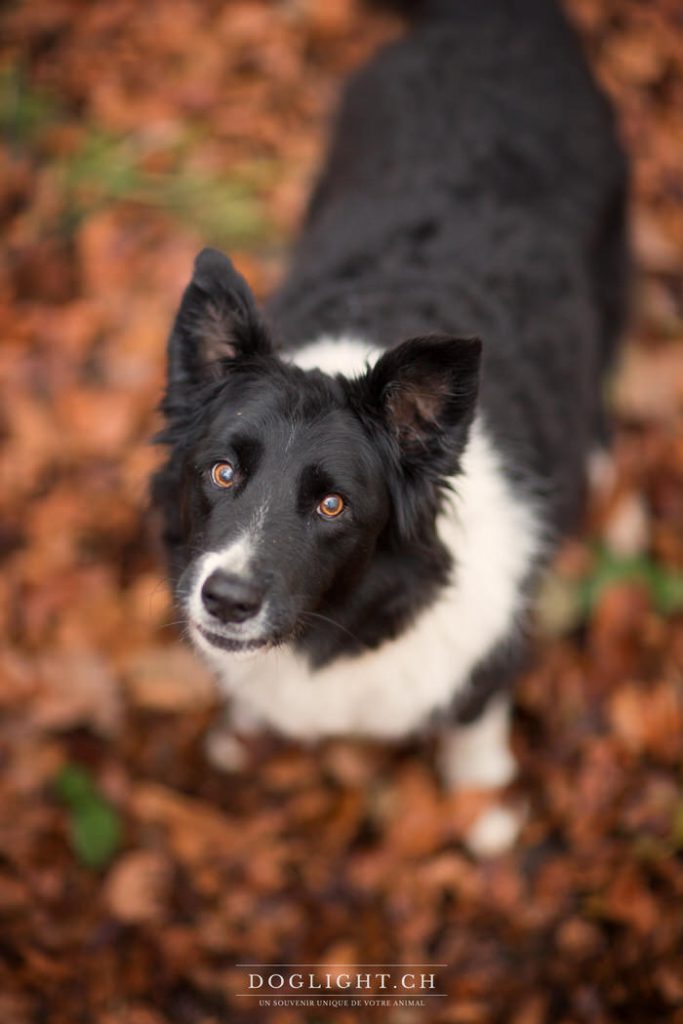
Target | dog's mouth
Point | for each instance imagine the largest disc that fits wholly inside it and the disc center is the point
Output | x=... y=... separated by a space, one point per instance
x=234 y=644
x=227 y=643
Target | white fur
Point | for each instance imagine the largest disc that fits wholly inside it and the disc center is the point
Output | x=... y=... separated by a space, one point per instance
x=224 y=750
x=479 y=754
x=391 y=691
x=495 y=830
x=345 y=354
x=235 y=559
x=602 y=472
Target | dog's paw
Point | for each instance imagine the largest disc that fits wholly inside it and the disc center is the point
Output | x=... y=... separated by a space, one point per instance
x=461 y=767
x=224 y=750
x=602 y=472
x=495 y=831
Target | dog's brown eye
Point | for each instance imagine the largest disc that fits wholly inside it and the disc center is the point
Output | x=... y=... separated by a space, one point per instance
x=223 y=474
x=331 y=506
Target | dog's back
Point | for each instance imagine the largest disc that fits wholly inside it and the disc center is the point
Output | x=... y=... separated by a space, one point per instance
x=475 y=186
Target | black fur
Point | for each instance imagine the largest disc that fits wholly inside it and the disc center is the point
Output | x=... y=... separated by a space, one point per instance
x=474 y=188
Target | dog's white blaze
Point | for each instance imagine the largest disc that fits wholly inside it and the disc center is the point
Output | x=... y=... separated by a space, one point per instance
x=236 y=559
x=390 y=691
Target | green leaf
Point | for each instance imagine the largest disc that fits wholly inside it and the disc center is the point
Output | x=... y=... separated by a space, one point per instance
x=74 y=785
x=24 y=111
x=664 y=586
x=106 y=170
x=96 y=833
x=94 y=824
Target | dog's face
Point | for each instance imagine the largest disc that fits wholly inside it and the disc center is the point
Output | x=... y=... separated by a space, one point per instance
x=286 y=501
x=283 y=485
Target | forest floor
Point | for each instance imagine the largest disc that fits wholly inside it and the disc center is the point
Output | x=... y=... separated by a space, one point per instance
x=134 y=876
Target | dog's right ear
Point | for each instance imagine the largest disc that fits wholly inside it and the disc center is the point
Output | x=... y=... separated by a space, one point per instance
x=217 y=324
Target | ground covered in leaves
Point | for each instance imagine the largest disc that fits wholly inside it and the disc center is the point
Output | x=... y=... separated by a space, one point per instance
x=134 y=876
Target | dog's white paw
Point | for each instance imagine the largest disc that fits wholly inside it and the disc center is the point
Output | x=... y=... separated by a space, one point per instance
x=495 y=831
x=224 y=750
x=478 y=755
x=627 y=530
x=484 y=767
x=602 y=472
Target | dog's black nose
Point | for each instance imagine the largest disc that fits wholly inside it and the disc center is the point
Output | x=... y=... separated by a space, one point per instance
x=231 y=598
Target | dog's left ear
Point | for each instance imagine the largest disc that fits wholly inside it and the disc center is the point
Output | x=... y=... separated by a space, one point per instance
x=425 y=392
x=217 y=323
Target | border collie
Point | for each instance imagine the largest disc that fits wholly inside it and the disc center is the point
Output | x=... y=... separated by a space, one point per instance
x=359 y=493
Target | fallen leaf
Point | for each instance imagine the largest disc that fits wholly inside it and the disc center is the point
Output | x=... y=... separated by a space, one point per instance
x=94 y=825
x=136 y=890
x=78 y=688
x=170 y=679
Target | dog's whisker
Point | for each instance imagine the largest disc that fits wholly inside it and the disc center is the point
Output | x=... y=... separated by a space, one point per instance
x=332 y=622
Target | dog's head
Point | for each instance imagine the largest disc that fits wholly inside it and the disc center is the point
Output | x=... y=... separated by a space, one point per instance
x=284 y=486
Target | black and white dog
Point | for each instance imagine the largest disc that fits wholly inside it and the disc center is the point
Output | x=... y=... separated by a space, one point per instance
x=358 y=500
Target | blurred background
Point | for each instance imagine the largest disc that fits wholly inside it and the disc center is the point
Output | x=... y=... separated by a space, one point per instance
x=133 y=874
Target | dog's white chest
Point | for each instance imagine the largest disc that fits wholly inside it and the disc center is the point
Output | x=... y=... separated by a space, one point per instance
x=386 y=692
x=493 y=538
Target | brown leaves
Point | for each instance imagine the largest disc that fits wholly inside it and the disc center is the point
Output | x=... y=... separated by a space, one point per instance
x=78 y=689
x=168 y=679
x=194 y=829
x=137 y=888
x=649 y=385
x=650 y=721
x=348 y=852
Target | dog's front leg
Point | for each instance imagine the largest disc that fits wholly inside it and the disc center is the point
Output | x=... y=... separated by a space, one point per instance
x=478 y=756
x=226 y=744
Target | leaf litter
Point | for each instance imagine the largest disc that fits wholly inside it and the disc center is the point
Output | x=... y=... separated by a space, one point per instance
x=134 y=876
